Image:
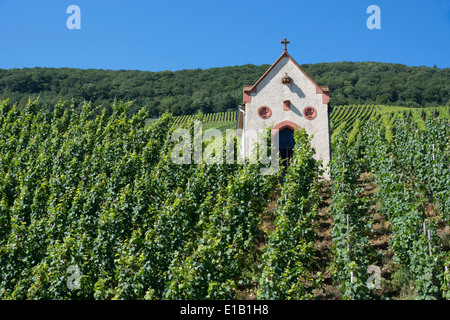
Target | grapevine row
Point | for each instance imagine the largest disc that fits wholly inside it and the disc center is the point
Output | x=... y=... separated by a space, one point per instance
x=352 y=251
x=288 y=259
x=414 y=240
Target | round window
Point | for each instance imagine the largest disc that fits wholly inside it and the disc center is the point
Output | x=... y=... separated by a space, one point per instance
x=264 y=112
x=310 y=113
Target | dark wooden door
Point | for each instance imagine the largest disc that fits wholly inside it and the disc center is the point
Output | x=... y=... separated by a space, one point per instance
x=287 y=144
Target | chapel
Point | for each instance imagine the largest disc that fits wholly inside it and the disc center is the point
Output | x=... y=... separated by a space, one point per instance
x=286 y=98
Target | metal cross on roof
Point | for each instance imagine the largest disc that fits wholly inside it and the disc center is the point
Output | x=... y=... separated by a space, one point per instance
x=285 y=42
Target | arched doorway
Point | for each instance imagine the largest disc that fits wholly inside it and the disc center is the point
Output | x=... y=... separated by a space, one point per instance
x=286 y=143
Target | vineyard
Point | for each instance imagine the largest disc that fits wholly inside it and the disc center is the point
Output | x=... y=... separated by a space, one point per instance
x=93 y=207
x=220 y=121
x=211 y=117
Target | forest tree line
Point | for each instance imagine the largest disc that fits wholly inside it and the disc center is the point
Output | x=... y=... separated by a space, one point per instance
x=220 y=89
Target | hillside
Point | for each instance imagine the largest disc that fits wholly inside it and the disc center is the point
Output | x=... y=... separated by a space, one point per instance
x=220 y=89
x=99 y=208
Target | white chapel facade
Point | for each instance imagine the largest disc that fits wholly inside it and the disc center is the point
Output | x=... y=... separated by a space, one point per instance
x=286 y=98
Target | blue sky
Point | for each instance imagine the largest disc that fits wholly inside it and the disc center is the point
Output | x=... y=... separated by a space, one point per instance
x=174 y=34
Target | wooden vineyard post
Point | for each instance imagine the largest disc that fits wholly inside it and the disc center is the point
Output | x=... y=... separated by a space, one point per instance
x=429 y=242
x=348 y=249
x=348 y=235
x=427 y=233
